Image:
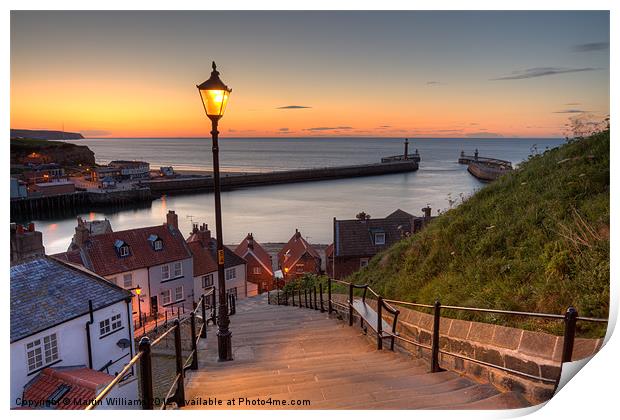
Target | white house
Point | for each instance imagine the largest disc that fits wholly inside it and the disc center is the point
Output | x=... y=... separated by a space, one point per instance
x=154 y=259
x=204 y=249
x=71 y=333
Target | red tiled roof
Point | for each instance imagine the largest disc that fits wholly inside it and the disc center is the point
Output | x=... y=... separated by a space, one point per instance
x=243 y=250
x=73 y=257
x=100 y=256
x=84 y=385
x=296 y=247
x=329 y=250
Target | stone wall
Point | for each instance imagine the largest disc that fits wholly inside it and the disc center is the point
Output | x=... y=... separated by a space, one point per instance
x=529 y=352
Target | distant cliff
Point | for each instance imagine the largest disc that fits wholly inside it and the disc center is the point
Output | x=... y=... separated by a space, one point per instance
x=45 y=151
x=17 y=133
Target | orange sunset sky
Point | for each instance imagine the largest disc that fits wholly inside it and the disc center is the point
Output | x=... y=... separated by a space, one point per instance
x=393 y=74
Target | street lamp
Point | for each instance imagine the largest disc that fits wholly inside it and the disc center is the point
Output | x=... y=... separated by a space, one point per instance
x=214 y=94
x=138 y=293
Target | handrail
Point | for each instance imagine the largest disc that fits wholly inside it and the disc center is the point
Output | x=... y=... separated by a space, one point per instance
x=105 y=391
x=570 y=319
x=176 y=393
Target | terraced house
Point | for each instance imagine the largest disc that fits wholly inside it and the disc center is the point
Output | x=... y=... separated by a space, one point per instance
x=298 y=257
x=204 y=250
x=259 y=263
x=154 y=259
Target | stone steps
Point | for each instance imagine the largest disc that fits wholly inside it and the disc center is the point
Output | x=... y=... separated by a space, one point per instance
x=285 y=353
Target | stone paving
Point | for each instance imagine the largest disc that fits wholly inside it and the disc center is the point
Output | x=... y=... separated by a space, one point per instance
x=291 y=358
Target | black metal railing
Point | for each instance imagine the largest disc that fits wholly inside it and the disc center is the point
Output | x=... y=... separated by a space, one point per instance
x=570 y=319
x=176 y=392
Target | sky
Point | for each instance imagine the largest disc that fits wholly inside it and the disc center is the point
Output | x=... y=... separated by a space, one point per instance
x=296 y=74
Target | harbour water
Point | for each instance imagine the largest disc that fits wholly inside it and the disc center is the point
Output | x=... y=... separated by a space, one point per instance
x=273 y=212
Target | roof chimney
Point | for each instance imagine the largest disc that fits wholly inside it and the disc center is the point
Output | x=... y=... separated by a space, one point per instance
x=250 y=239
x=26 y=244
x=297 y=234
x=172 y=219
x=81 y=233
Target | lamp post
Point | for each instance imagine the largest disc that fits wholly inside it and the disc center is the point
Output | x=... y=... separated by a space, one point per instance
x=138 y=293
x=214 y=94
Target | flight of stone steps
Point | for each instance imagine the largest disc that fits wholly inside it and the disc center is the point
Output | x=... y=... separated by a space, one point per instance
x=286 y=353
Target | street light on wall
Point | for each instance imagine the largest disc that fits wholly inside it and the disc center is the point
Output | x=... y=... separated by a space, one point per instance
x=214 y=95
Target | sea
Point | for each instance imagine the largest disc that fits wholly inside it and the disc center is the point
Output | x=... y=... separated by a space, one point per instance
x=272 y=213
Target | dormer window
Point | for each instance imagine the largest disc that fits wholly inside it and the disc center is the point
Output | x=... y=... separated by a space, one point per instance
x=122 y=249
x=156 y=243
x=379 y=238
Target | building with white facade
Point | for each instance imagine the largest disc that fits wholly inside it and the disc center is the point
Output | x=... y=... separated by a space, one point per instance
x=71 y=333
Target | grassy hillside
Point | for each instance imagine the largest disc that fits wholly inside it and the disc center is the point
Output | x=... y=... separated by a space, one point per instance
x=534 y=240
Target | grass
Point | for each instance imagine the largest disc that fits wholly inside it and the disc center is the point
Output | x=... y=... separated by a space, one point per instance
x=535 y=240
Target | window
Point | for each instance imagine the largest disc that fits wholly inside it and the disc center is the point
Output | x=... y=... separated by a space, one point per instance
x=127 y=281
x=379 y=238
x=299 y=268
x=257 y=270
x=207 y=281
x=41 y=352
x=110 y=325
x=178 y=269
x=158 y=245
x=178 y=293
x=124 y=251
x=363 y=262
x=165 y=297
x=231 y=274
x=165 y=272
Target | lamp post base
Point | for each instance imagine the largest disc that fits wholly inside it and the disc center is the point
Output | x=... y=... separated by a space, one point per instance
x=224 y=346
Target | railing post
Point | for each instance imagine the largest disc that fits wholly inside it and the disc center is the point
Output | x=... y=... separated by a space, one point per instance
x=268 y=297
x=293 y=296
x=278 y=298
x=178 y=351
x=435 y=344
x=213 y=308
x=146 y=373
x=306 y=297
x=570 y=324
x=316 y=307
x=310 y=296
x=350 y=304
x=329 y=296
x=192 y=320
x=300 y=298
x=379 y=323
x=234 y=304
x=203 y=334
x=321 y=296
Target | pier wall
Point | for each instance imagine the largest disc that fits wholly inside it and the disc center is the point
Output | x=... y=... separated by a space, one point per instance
x=166 y=186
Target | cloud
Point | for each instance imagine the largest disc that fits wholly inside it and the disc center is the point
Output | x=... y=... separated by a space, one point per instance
x=572 y=103
x=293 y=107
x=433 y=83
x=591 y=46
x=382 y=127
x=474 y=124
x=570 y=111
x=542 y=71
x=484 y=134
x=345 y=127
x=283 y=129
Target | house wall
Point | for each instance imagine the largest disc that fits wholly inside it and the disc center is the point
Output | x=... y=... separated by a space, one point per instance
x=73 y=350
x=311 y=265
x=139 y=278
x=186 y=280
x=346 y=266
x=263 y=281
x=239 y=283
